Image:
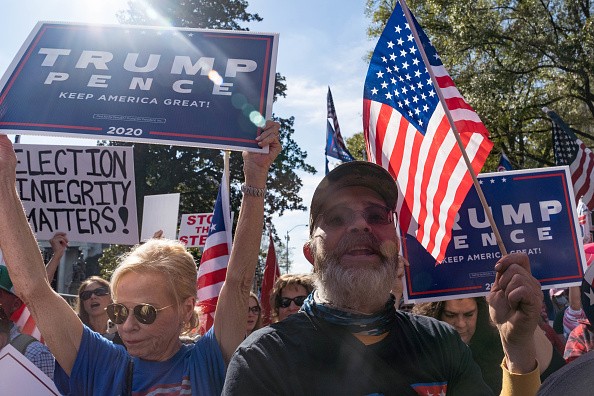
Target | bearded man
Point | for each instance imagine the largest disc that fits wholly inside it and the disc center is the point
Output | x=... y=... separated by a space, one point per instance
x=348 y=339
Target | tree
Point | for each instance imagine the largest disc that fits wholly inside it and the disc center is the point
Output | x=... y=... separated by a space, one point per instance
x=195 y=173
x=510 y=59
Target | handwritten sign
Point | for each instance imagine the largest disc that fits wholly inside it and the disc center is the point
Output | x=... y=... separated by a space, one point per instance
x=207 y=88
x=86 y=191
x=535 y=213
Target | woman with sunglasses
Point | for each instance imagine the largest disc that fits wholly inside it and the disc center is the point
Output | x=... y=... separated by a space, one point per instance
x=93 y=298
x=288 y=294
x=154 y=293
x=254 y=319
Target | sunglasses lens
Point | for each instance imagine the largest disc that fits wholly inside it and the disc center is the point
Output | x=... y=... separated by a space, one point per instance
x=102 y=291
x=145 y=313
x=299 y=300
x=117 y=313
x=85 y=295
x=337 y=217
x=286 y=302
x=377 y=215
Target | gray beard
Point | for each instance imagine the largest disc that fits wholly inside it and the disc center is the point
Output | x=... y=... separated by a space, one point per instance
x=354 y=288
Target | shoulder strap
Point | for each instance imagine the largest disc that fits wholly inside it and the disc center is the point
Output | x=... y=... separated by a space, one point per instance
x=22 y=341
x=373 y=365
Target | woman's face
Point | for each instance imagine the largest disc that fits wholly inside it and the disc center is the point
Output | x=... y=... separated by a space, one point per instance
x=461 y=314
x=290 y=292
x=95 y=305
x=252 y=316
x=159 y=340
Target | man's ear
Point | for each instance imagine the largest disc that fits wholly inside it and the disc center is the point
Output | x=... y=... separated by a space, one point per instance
x=307 y=252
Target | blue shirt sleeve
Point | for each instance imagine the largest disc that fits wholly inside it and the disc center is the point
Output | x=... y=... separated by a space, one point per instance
x=100 y=368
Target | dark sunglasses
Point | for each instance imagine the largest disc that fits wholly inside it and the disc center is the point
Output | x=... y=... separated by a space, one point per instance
x=254 y=310
x=341 y=216
x=144 y=313
x=285 y=302
x=100 y=291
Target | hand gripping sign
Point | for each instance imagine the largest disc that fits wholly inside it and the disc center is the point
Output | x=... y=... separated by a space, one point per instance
x=206 y=88
x=535 y=212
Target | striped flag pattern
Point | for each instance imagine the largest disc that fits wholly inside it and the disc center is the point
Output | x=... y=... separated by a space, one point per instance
x=21 y=317
x=24 y=321
x=407 y=131
x=335 y=146
x=215 y=257
x=570 y=150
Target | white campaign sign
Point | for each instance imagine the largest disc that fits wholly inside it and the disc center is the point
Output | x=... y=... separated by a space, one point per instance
x=18 y=376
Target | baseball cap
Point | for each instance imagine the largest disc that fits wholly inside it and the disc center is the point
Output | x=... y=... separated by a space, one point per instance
x=5 y=282
x=351 y=174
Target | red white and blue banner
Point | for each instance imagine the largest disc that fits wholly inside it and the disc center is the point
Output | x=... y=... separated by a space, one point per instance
x=535 y=213
x=181 y=86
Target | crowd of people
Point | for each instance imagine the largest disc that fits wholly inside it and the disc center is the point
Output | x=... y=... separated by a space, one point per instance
x=338 y=330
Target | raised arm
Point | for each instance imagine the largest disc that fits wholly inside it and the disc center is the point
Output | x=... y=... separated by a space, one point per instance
x=515 y=304
x=59 y=244
x=232 y=306
x=61 y=328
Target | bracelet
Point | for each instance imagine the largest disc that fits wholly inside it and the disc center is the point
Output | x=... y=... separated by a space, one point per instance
x=253 y=191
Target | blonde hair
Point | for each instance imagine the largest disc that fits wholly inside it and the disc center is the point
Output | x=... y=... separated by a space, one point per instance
x=304 y=280
x=168 y=258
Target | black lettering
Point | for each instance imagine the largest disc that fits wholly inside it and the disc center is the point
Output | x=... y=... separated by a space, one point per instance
x=75 y=159
x=109 y=219
x=41 y=154
x=80 y=220
x=120 y=163
x=93 y=153
x=74 y=199
x=64 y=170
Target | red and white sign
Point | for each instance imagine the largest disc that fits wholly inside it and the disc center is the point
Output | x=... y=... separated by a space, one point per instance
x=193 y=229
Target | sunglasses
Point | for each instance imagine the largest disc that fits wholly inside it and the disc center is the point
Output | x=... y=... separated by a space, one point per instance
x=285 y=302
x=144 y=313
x=254 y=309
x=100 y=291
x=341 y=216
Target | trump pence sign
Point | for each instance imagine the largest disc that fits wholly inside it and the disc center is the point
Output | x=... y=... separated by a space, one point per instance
x=206 y=88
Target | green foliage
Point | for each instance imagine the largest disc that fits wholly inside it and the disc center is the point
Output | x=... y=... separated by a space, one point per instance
x=509 y=59
x=356 y=146
x=195 y=173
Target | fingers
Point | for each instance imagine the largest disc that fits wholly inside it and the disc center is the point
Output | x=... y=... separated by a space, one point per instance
x=270 y=134
x=520 y=259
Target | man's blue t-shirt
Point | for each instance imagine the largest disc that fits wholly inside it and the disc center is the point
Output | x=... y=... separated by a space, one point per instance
x=101 y=368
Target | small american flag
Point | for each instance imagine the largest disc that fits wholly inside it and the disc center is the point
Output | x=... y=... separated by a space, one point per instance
x=407 y=132
x=335 y=146
x=569 y=150
x=215 y=257
x=22 y=317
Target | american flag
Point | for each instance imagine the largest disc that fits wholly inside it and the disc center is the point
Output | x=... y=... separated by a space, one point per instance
x=271 y=273
x=407 y=132
x=22 y=317
x=215 y=257
x=335 y=146
x=569 y=150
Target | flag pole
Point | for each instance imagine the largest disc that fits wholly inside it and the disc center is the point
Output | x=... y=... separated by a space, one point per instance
x=477 y=186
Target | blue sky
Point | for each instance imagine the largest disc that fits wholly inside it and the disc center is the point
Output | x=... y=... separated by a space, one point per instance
x=321 y=44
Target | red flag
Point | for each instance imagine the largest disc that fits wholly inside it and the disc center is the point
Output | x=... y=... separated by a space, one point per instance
x=271 y=273
x=215 y=257
x=407 y=131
